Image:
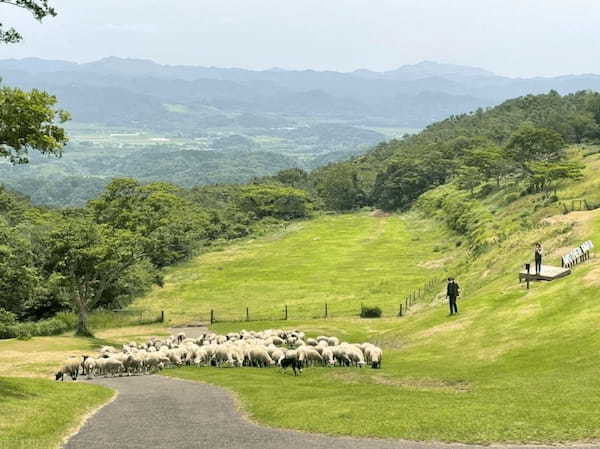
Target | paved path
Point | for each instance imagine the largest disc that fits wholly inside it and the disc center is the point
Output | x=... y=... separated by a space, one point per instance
x=155 y=412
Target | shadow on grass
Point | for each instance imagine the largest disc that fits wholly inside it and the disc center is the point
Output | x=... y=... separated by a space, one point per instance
x=10 y=390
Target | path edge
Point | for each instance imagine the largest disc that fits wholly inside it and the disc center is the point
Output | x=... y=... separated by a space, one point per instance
x=85 y=418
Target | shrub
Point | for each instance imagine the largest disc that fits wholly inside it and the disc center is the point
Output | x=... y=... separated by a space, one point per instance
x=7 y=317
x=370 y=312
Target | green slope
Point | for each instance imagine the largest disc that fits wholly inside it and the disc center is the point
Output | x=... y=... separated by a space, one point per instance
x=515 y=365
x=343 y=261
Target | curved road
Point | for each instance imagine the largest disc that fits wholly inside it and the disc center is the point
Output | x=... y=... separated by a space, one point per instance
x=155 y=412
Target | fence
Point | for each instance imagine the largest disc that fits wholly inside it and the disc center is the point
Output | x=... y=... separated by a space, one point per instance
x=578 y=204
x=424 y=294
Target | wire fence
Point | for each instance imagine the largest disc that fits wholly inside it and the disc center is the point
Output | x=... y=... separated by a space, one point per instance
x=425 y=294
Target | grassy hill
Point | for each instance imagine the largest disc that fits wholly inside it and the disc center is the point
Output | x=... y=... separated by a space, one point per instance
x=515 y=365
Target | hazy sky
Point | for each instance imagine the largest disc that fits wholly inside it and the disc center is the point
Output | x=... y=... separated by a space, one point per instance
x=511 y=37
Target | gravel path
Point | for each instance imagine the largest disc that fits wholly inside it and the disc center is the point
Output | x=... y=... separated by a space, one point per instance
x=155 y=412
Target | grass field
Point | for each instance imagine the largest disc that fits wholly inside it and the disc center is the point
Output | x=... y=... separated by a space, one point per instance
x=344 y=261
x=513 y=366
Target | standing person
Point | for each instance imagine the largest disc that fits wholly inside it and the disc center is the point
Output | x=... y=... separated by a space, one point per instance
x=538 y=253
x=452 y=292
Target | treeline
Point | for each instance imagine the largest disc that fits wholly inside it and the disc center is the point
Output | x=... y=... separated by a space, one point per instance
x=113 y=249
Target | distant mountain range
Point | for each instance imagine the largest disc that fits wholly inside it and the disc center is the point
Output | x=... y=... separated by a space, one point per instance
x=142 y=93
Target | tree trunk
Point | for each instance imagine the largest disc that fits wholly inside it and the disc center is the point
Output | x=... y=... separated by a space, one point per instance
x=82 y=329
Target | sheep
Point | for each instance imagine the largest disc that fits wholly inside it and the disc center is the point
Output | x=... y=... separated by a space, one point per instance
x=327 y=356
x=278 y=355
x=373 y=356
x=246 y=348
x=89 y=367
x=133 y=364
x=333 y=341
x=70 y=367
x=311 y=342
x=260 y=357
x=113 y=366
x=310 y=355
x=354 y=355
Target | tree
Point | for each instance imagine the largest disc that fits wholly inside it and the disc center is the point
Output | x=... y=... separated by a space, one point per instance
x=90 y=258
x=39 y=8
x=339 y=187
x=545 y=176
x=490 y=161
x=169 y=226
x=530 y=143
x=27 y=122
x=469 y=177
x=275 y=201
x=19 y=278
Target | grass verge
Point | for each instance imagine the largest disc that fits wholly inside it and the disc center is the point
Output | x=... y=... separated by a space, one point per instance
x=37 y=413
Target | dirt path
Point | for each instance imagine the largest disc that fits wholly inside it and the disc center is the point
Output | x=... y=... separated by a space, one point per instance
x=155 y=412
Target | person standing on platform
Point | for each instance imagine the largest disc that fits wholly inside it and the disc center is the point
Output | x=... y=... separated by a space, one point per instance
x=452 y=293
x=538 y=254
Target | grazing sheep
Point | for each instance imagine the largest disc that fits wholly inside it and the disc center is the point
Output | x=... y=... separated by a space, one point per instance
x=373 y=356
x=260 y=357
x=327 y=356
x=70 y=367
x=310 y=355
x=247 y=348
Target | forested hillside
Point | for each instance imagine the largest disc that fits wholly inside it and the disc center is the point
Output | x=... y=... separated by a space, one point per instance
x=103 y=255
x=519 y=144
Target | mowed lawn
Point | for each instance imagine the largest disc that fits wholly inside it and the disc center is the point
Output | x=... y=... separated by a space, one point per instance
x=343 y=260
x=513 y=366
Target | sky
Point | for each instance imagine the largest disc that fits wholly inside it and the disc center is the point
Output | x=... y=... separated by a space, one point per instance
x=509 y=37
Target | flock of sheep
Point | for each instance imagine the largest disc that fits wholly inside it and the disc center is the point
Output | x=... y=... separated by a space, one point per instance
x=261 y=349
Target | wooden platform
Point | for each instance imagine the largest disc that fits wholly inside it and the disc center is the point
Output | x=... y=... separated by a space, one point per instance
x=548 y=273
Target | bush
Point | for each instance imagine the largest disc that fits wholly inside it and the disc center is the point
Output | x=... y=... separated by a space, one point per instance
x=370 y=312
x=7 y=317
x=55 y=326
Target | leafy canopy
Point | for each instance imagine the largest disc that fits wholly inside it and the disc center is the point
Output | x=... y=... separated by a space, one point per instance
x=39 y=8
x=28 y=120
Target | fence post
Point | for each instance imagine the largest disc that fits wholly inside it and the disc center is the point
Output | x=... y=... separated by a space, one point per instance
x=162 y=316
x=400 y=312
x=247 y=314
x=212 y=316
x=286 y=313
x=326 y=311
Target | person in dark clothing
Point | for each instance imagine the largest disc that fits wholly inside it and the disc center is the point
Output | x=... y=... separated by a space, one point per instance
x=538 y=253
x=453 y=292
